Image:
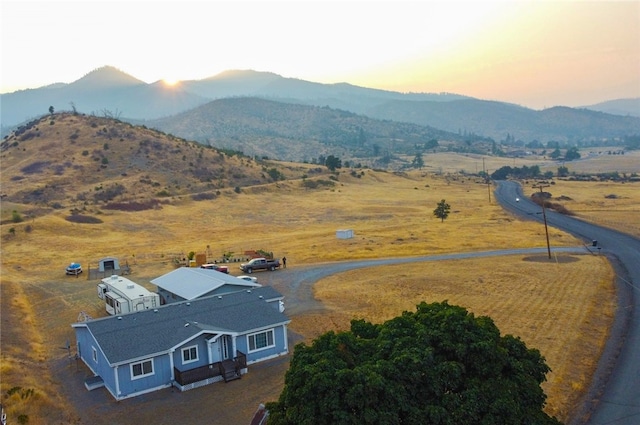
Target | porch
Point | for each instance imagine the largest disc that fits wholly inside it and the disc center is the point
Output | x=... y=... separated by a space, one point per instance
x=226 y=370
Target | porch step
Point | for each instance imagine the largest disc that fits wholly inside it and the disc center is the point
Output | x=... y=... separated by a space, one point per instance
x=230 y=371
x=230 y=376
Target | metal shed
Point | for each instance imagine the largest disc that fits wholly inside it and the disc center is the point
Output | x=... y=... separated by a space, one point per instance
x=108 y=264
x=344 y=234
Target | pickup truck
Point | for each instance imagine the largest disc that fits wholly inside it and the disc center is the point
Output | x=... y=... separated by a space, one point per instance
x=260 y=264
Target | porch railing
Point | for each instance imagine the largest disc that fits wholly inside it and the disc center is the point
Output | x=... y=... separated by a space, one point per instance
x=186 y=377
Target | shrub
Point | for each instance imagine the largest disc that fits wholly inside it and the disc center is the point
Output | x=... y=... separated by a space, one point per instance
x=16 y=217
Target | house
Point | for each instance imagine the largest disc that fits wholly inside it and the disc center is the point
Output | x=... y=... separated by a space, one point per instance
x=184 y=344
x=186 y=283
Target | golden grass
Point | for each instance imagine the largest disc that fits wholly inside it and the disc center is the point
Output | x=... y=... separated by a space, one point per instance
x=561 y=307
x=611 y=205
x=391 y=215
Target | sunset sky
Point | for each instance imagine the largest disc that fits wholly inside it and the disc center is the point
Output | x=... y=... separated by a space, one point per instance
x=536 y=54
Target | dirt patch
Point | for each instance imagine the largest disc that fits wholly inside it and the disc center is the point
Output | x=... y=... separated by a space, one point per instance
x=84 y=219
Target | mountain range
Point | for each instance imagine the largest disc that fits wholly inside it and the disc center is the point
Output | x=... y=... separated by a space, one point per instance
x=244 y=109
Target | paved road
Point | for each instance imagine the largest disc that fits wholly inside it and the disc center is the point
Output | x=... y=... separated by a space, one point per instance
x=614 y=398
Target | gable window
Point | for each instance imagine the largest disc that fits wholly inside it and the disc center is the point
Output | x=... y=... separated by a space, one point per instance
x=94 y=354
x=190 y=354
x=261 y=340
x=141 y=369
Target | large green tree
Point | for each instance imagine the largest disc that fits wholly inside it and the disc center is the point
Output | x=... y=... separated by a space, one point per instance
x=437 y=365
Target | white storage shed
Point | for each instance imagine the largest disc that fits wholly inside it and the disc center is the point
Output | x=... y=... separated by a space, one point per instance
x=344 y=234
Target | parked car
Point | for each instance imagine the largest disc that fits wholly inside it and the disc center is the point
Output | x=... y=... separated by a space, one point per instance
x=260 y=264
x=221 y=269
x=248 y=278
x=74 y=269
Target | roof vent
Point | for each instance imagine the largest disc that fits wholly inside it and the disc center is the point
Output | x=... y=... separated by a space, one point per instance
x=119 y=317
x=188 y=304
x=155 y=310
x=261 y=297
x=219 y=297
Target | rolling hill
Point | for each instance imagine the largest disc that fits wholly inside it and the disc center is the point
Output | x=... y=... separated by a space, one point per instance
x=85 y=163
x=302 y=133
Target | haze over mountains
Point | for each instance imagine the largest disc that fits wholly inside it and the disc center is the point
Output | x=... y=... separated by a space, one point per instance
x=209 y=111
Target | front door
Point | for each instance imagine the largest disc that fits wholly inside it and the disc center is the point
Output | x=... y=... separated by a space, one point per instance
x=224 y=347
x=220 y=349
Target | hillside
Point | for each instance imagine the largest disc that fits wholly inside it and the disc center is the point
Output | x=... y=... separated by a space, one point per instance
x=294 y=132
x=497 y=120
x=85 y=163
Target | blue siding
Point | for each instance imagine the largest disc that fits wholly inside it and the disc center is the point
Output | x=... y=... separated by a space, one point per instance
x=203 y=354
x=161 y=377
x=99 y=367
x=256 y=356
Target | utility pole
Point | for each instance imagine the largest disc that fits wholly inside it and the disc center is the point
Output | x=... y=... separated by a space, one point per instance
x=487 y=179
x=544 y=216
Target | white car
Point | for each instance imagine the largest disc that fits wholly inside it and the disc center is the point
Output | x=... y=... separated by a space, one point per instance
x=248 y=278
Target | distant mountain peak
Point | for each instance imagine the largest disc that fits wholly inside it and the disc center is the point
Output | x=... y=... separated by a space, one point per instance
x=107 y=76
x=233 y=74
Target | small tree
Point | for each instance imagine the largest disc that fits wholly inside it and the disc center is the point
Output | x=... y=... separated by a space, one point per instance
x=572 y=153
x=418 y=162
x=16 y=217
x=333 y=163
x=442 y=210
x=51 y=110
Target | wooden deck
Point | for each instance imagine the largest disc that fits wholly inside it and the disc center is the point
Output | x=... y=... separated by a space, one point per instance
x=227 y=370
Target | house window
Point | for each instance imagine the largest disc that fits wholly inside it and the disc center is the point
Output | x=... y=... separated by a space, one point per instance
x=190 y=354
x=94 y=354
x=141 y=369
x=261 y=340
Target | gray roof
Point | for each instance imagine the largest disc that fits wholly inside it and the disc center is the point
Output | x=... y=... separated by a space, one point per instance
x=146 y=333
x=190 y=283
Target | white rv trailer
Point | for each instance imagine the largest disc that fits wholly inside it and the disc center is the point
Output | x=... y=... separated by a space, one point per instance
x=122 y=296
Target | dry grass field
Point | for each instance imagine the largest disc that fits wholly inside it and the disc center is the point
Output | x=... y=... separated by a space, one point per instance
x=610 y=205
x=391 y=215
x=515 y=291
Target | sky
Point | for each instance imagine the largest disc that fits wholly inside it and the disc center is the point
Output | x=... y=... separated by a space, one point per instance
x=536 y=54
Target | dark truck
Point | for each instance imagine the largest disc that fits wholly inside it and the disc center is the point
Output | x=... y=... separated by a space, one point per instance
x=260 y=264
